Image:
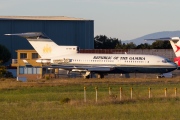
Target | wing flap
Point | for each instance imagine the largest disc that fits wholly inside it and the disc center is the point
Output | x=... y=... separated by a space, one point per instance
x=86 y=68
x=94 y=69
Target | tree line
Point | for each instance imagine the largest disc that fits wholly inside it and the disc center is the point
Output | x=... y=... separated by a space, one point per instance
x=5 y=55
x=104 y=42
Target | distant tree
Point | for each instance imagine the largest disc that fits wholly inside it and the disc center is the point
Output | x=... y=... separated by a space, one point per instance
x=119 y=45
x=143 y=46
x=161 y=45
x=113 y=42
x=103 y=42
x=4 y=73
x=123 y=46
x=99 y=41
x=2 y=70
x=5 y=55
x=130 y=45
x=167 y=45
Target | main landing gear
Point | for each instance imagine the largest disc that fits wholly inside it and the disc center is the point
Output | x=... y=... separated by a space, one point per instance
x=88 y=75
x=100 y=75
x=160 y=76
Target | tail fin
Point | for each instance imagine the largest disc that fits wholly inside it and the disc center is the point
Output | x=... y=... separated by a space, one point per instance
x=176 y=47
x=175 y=43
x=45 y=46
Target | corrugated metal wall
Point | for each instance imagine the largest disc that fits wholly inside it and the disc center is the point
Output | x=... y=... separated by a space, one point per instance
x=63 y=32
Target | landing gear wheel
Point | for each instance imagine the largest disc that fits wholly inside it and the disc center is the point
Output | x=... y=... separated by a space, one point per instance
x=160 y=76
x=86 y=77
x=100 y=76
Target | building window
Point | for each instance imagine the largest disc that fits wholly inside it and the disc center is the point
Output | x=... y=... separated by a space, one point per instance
x=34 y=55
x=38 y=71
x=23 y=55
x=29 y=70
x=21 y=70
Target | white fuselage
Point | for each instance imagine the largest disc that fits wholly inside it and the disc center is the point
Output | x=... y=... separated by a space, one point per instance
x=112 y=59
x=122 y=63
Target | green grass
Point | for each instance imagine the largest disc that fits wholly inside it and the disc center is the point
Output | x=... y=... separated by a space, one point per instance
x=48 y=99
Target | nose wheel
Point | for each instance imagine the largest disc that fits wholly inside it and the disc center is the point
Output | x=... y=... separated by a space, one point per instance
x=160 y=76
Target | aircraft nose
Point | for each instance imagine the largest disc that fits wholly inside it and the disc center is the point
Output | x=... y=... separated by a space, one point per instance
x=175 y=65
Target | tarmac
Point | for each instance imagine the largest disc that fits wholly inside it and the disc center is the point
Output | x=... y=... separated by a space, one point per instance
x=63 y=74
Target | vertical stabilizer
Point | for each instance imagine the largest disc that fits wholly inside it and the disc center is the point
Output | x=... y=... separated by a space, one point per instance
x=44 y=46
x=176 y=47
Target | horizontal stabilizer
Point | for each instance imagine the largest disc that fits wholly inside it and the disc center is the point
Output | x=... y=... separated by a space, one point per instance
x=32 y=35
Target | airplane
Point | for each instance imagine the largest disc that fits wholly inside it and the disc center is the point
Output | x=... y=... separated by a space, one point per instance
x=69 y=58
x=175 y=43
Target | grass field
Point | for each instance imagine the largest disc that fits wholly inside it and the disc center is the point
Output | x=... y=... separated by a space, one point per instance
x=63 y=99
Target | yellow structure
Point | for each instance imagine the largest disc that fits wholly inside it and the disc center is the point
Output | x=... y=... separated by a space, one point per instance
x=26 y=64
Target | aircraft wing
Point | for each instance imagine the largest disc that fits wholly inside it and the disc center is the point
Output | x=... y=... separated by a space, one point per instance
x=27 y=64
x=85 y=68
x=166 y=39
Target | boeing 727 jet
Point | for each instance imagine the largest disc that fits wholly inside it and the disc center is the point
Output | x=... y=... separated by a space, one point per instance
x=68 y=58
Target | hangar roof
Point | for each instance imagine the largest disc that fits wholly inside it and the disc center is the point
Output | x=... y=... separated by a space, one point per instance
x=39 y=18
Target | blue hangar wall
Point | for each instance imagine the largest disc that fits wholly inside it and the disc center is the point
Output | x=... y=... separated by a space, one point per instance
x=63 y=32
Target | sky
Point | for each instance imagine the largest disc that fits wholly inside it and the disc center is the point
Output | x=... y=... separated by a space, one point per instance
x=122 y=19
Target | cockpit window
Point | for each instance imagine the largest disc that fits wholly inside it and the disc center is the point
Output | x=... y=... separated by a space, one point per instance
x=78 y=49
x=166 y=60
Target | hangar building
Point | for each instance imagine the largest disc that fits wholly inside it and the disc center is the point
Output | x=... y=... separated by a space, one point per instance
x=62 y=30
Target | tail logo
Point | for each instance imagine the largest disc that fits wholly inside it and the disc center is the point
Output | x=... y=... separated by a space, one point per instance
x=178 y=48
x=47 y=49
